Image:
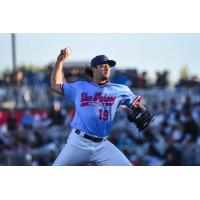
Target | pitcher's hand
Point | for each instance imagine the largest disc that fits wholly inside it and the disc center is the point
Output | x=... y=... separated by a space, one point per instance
x=64 y=55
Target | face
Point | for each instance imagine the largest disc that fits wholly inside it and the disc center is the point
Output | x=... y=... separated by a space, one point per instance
x=102 y=72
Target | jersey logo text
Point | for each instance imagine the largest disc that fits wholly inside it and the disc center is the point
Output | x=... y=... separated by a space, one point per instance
x=97 y=99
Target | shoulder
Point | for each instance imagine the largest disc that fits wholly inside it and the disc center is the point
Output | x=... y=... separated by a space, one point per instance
x=118 y=86
x=77 y=83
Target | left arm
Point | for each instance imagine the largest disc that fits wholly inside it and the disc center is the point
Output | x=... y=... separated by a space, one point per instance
x=140 y=115
x=137 y=111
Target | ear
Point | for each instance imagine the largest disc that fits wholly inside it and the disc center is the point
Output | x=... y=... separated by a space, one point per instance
x=94 y=69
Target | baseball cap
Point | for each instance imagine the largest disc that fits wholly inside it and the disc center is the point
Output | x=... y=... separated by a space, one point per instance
x=102 y=59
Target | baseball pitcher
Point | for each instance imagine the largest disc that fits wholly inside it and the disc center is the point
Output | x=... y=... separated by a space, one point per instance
x=96 y=103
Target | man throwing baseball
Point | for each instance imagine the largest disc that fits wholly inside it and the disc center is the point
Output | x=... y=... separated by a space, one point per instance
x=96 y=103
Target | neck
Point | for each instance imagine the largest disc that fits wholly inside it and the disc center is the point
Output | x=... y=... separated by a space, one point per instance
x=99 y=82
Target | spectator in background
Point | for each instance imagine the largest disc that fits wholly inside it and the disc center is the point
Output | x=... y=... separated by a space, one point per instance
x=165 y=79
x=11 y=122
x=172 y=156
x=7 y=80
x=188 y=103
x=121 y=78
x=162 y=80
x=18 y=78
x=29 y=78
x=27 y=120
x=188 y=82
x=75 y=74
x=173 y=105
x=132 y=75
x=142 y=80
x=55 y=115
x=191 y=129
x=163 y=107
x=194 y=82
x=158 y=81
x=155 y=108
x=183 y=82
x=17 y=87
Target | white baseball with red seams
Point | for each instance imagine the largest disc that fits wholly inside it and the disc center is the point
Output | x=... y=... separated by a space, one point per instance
x=68 y=50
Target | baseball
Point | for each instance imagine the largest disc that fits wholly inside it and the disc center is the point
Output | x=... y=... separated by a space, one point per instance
x=68 y=50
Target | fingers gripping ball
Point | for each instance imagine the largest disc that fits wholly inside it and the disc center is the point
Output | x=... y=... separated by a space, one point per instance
x=141 y=117
x=67 y=50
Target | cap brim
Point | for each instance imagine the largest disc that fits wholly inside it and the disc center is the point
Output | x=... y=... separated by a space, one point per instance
x=112 y=63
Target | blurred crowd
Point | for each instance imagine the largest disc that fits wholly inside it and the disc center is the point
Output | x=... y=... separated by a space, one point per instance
x=22 y=89
x=30 y=137
x=35 y=122
x=131 y=77
x=173 y=138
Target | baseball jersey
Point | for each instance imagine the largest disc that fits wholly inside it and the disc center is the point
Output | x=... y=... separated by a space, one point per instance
x=95 y=106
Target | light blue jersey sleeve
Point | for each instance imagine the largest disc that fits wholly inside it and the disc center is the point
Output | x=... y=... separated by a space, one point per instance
x=70 y=89
x=129 y=98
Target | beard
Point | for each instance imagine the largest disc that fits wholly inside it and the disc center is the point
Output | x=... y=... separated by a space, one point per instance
x=105 y=78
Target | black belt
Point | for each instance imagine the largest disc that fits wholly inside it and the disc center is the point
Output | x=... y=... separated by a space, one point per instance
x=89 y=137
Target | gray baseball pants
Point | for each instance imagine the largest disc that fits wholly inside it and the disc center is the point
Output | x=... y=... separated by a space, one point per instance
x=82 y=151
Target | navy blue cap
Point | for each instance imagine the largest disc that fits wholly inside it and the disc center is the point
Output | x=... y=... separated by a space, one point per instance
x=102 y=59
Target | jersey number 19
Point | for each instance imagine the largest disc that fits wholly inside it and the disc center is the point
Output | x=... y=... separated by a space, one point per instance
x=103 y=114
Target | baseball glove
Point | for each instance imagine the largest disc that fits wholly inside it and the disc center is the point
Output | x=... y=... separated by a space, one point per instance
x=141 y=117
